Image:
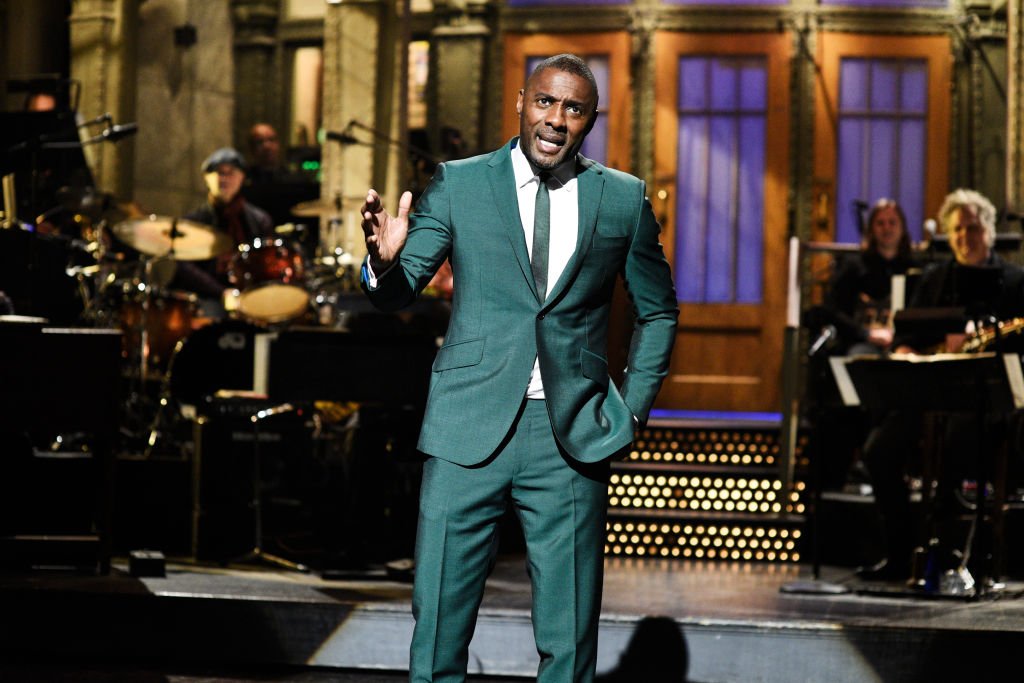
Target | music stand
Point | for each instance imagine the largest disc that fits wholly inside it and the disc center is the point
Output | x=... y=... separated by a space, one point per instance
x=257 y=553
x=981 y=384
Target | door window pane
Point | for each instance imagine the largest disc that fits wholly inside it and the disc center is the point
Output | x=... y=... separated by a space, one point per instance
x=305 y=9
x=419 y=69
x=721 y=167
x=307 y=96
x=888 y=3
x=881 y=146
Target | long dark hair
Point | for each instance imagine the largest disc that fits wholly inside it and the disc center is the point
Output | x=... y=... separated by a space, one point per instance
x=904 y=249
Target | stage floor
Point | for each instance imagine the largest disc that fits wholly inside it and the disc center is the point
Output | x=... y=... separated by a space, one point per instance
x=715 y=622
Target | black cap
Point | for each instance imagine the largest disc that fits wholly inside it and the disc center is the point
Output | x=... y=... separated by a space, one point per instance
x=224 y=155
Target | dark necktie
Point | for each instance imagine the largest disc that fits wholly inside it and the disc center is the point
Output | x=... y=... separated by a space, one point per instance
x=541 y=235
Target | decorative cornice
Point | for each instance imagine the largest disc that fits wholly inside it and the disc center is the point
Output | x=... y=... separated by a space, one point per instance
x=254 y=13
x=255 y=23
x=647 y=16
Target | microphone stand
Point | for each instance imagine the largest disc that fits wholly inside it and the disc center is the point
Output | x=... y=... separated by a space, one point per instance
x=814 y=585
x=345 y=137
x=985 y=582
x=257 y=552
x=38 y=143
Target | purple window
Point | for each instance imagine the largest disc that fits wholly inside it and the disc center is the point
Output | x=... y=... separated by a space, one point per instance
x=882 y=135
x=727 y=2
x=888 y=3
x=595 y=145
x=556 y=3
x=721 y=169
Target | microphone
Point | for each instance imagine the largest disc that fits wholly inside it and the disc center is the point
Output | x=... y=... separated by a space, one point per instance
x=930 y=228
x=118 y=131
x=342 y=137
x=828 y=333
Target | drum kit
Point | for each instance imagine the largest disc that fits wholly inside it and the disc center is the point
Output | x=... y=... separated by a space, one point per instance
x=169 y=341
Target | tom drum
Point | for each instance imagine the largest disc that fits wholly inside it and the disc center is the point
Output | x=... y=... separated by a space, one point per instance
x=271 y=278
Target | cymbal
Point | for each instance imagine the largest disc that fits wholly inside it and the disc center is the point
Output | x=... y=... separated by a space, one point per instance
x=151 y=235
x=315 y=207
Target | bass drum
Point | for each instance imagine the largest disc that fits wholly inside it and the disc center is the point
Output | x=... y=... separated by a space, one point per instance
x=217 y=356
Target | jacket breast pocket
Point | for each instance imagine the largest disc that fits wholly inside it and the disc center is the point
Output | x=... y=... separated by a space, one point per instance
x=459 y=355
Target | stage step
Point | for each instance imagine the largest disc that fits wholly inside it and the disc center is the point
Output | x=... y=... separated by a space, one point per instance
x=705 y=490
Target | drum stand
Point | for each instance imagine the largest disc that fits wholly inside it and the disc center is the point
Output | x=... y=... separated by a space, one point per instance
x=257 y=553
x=137 y=405
x=163 y=404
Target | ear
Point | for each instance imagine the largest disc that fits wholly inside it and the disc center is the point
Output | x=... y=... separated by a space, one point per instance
x=519 y=102
x=590 y=125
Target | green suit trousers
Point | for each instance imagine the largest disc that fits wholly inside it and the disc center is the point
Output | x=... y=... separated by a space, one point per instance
x=560 y=503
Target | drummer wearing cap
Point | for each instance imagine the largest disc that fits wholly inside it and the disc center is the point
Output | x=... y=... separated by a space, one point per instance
x=226 y=210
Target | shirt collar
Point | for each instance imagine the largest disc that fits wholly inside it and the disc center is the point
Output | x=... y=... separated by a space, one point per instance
x=524 y=175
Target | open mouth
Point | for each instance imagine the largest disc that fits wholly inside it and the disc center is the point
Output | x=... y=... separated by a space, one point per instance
x=549 y=146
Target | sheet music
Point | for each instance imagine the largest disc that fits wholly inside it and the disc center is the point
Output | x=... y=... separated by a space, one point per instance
x=898 y=294
x=1015 y=378
x=261 y=361
x=843 y=381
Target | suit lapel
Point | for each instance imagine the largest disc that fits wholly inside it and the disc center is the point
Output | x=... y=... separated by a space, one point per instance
x=589 y=186
x=503 y=185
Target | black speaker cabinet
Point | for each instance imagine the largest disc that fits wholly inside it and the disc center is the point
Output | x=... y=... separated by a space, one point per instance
x=241 y=471
x=58 y=420
x=153 y=506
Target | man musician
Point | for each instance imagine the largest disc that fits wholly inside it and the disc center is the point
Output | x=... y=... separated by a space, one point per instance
x=986 y=288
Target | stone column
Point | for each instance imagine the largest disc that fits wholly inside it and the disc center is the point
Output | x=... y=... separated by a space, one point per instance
x=643 y=28
x=365 y=55
x=103 y=58
x=257 y=68
x=186 y=100
x=459 y=48
x=1015 y=106
x=5 y=66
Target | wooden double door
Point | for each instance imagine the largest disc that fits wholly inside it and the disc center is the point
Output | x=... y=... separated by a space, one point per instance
x=722 y=180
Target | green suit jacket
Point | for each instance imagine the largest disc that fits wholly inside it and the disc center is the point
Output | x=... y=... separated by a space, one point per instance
x=470 y=214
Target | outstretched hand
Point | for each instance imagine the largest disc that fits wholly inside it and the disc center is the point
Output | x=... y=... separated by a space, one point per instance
x=385 y=234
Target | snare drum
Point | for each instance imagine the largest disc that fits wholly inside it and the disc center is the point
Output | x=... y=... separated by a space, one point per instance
x=271 y=278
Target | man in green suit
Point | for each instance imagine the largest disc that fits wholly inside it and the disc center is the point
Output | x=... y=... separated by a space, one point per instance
x=521 y=411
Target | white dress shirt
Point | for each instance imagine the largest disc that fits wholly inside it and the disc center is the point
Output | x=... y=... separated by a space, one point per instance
x=564 y=226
